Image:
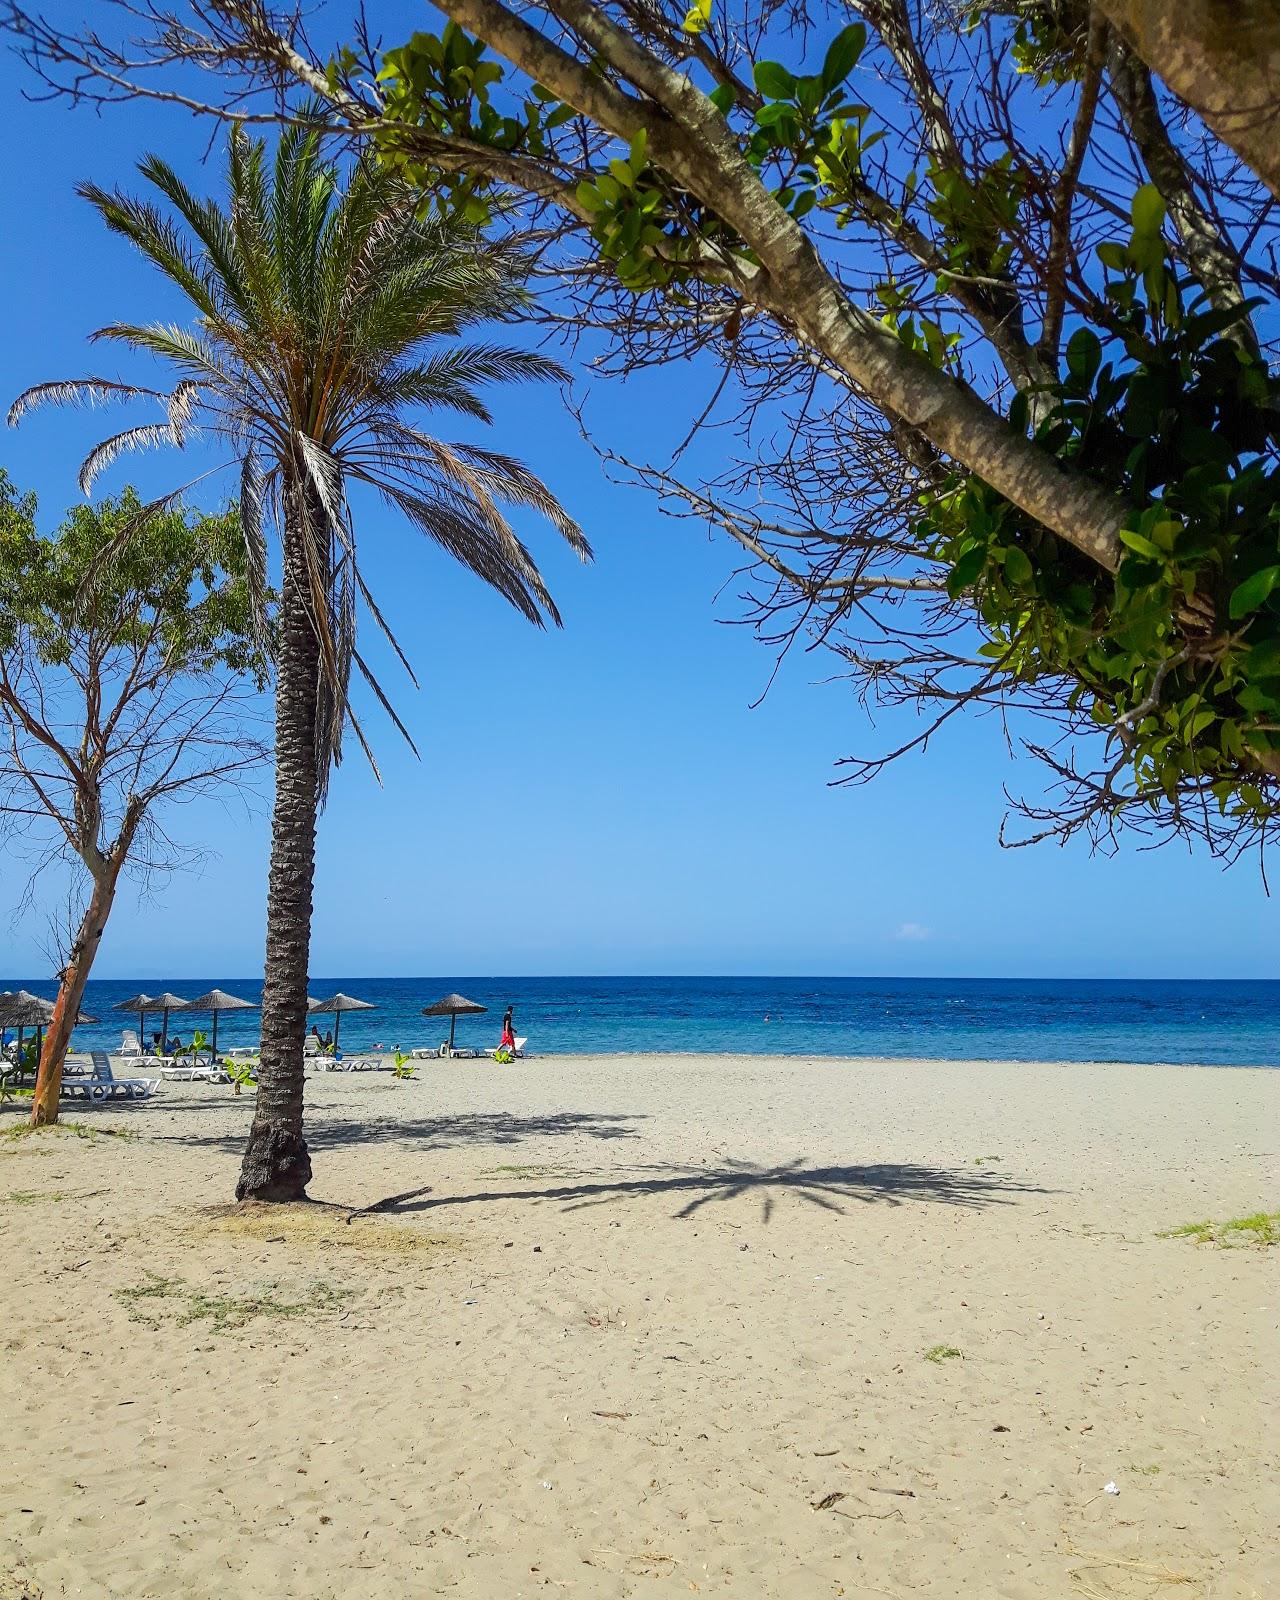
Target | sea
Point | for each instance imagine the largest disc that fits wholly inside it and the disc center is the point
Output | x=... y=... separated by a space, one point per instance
x=1226 y=1023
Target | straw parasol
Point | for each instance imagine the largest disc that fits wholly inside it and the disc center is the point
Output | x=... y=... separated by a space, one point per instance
x=337 y=1004
x=21 y=1009
x=166 y=1003
x=139 y=1004
x=219 y=1000
x=453 y=1006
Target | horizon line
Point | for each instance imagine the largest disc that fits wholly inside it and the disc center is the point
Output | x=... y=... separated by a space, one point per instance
x=687 y=977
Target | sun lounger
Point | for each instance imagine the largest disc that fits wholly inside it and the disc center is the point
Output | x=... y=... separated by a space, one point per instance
x=102 y=1084
x=130 y=1044
x=193 y=1071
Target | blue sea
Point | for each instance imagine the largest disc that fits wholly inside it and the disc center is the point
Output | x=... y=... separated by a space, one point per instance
x=1216 y=1023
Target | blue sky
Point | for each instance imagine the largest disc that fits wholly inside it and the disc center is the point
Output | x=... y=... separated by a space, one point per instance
x=598 y=800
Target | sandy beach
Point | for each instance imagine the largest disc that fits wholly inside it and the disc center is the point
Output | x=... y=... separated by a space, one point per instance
x=661 y=1326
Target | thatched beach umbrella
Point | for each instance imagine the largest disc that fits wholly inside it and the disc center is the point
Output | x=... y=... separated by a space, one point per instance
x=140 y=1004
x=219 y=1000
x=14 y=1010
x=166 y=1003
x=453 y=1006
x=337 y=1004
x=21 y=1009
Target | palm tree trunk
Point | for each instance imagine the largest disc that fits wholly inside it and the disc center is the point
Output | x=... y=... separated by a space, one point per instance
x=276 y=1165
x=44 y=1104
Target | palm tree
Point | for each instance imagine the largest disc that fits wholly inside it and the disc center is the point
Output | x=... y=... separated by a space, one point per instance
x=327 y=313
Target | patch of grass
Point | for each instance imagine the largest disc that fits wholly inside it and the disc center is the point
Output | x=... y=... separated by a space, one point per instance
x=81 y=1130
x=31 y=1197
x=1262 y=1228
x=310 y=1224
x=982 y=1161
x=534 y=1172
x=1153 y=1471
x=160 y=1299
x=943 y=1352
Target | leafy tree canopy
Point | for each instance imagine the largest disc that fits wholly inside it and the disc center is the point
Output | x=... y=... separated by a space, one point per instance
x=169 y=582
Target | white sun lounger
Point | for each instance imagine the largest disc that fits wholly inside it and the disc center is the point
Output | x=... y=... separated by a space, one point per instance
x=519 y=1049
x=102 y=1084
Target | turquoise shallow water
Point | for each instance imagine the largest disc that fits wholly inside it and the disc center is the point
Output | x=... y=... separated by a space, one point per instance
x=1217 y=1023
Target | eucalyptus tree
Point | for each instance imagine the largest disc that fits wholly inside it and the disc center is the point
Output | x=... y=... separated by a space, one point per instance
x=330 y=309
x=128 y=684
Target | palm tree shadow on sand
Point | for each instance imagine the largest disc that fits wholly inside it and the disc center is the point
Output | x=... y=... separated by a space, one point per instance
x=326 y=1131
x=889 y=1183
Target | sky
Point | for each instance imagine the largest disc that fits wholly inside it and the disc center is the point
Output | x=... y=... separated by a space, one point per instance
x=609 y=798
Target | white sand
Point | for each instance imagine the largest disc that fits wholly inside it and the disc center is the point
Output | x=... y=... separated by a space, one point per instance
x=633 y=1365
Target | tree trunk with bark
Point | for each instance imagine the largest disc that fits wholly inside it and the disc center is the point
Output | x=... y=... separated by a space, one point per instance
x=276 y=1164
x=75 y=974
x=1223 y=58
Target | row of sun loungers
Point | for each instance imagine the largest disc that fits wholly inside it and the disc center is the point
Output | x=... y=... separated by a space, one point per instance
x=460 y=1053
x=101 y=1082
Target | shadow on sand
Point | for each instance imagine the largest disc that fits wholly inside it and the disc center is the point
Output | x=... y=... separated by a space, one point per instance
x=824 y=1187
x=423 y=1134
x=828 y=1188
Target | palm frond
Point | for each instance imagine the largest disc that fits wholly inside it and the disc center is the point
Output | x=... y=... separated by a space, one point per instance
x=386 y=705
x=156 y=236
x=383 y=626
x=211 y=227
x=147 y=437
x=455 y=527
x=512 y=481
x=77 y=391
x=181 y=404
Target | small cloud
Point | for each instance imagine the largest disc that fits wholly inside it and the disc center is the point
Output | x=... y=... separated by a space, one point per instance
x=913 y=930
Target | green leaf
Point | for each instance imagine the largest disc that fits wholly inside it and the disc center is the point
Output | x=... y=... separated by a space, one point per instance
x=1143 y=546
x=721 y=97
x=590 y=197
x=1017 y=566
x=1084 y=354
x=773 y=80
x=1113 y=255
x=842 y=54
x=809 y=93
x=1147 y=210
x=1250 y=594
x=1263 y=661
x=966 y=569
